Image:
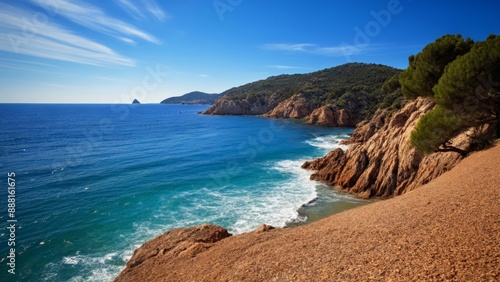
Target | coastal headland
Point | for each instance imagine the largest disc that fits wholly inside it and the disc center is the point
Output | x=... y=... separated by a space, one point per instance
x=419 y=128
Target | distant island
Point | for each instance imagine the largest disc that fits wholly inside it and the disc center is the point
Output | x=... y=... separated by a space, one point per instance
x=136 y=101
x=196 y=97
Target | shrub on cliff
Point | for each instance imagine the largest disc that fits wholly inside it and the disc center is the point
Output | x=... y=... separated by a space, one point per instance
x=467 y=95
x=435 y=128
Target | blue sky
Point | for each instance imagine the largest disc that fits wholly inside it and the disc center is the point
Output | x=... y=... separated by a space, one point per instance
x=77 y=51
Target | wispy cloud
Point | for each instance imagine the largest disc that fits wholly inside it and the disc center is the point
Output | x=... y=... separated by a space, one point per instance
x=130 y=8
x=155 y=10
x=94 y=18
x=204 y=75
x=128 y=41
x=303 y=47
x=24 y=62
x=143 y=9
x=341 y=50
x=346 y=50
x=49 y=40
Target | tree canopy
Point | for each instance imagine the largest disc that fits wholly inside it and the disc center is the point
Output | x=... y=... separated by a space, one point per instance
x=467 y=94
x=469 y=82
x=427 y=67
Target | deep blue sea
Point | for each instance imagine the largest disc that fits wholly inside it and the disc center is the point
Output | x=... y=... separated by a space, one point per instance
x=94 y=182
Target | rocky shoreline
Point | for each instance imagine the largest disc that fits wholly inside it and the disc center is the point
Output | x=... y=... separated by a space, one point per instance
x=380 y=161
x=295 y=107
x=447 y=230
x=423 y=234
x=364 y=243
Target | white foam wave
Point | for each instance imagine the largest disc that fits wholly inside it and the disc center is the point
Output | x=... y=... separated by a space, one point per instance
x=279 y=203
x=70 y=260
x=329 y=142
x=95 y=268
x=274 y=200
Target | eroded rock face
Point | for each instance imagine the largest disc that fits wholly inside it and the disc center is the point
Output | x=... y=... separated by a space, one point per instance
x=255 y=105
x=365 y=129
x=181 y=242
x=381 y=161
x=329 y=115
x=296 y=107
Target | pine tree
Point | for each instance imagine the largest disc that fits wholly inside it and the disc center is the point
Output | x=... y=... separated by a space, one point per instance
x=426 y=68
x=467 y=95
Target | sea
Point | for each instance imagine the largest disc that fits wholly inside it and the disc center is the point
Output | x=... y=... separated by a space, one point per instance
x=91 y=183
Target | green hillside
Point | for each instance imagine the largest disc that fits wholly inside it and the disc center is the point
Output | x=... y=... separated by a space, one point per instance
x=195 y=97
x=359 y=88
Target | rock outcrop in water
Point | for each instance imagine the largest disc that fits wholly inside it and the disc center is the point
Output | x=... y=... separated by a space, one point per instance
x=380 y=161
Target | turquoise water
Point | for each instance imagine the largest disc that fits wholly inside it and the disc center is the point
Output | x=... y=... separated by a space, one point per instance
x=93 y=182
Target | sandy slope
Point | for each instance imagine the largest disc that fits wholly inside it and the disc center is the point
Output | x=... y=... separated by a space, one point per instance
x=447 y=230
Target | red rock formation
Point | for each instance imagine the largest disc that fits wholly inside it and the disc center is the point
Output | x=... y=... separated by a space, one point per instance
x=254 y=105
x=330 y=116
x=381 y=162
x=182 y=242
x=295 y=107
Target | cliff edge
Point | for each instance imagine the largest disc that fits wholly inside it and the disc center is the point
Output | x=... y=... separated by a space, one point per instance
x=446 y=230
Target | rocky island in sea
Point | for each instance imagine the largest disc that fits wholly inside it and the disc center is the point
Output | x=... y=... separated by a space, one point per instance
x=421 y=147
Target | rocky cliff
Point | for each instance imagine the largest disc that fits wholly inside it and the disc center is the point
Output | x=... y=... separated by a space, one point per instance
x=296 y=107
x=299 y=106
x=330 y=115
x=339 y=96
x=380 y=161
x=252 y=105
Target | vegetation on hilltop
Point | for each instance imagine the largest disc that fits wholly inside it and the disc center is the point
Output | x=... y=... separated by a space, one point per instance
x=463 y=77
x=195 y=97
x=359 y=88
